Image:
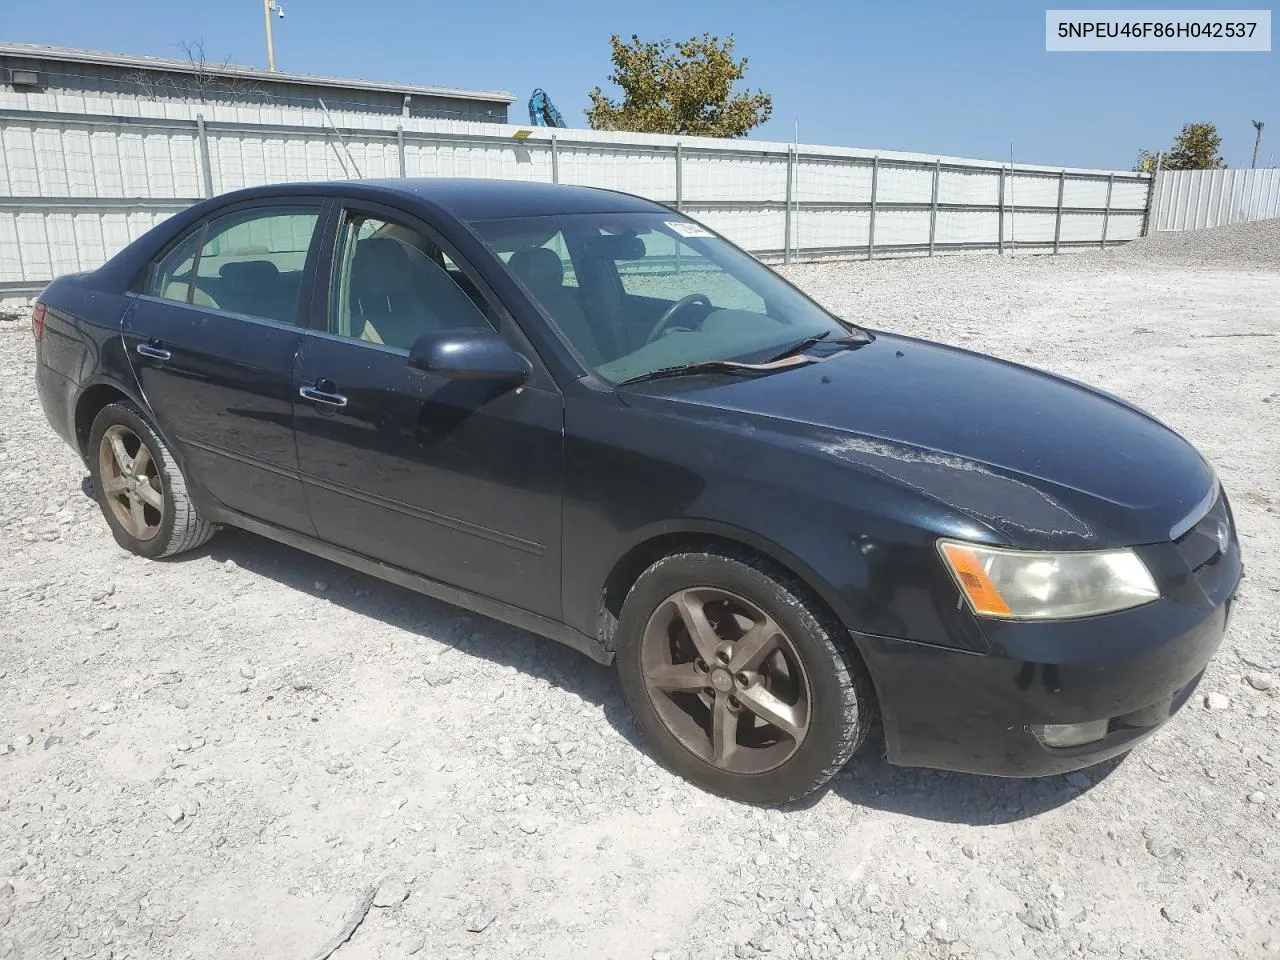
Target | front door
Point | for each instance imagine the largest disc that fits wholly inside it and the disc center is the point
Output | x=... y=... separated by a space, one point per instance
x=459 y=481
x=213 y=338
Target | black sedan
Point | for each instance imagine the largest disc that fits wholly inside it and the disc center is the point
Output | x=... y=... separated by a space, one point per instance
x=585 y=414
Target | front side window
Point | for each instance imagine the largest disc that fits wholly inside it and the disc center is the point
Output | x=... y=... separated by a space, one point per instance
x=392 y=285
x=652 y=290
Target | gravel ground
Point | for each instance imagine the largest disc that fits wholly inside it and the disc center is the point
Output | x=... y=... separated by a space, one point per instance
x=225 y=755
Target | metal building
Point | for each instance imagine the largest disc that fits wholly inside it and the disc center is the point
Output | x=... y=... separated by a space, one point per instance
x=62 y=80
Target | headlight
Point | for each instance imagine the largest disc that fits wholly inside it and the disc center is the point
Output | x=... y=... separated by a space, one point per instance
x=1036 y=585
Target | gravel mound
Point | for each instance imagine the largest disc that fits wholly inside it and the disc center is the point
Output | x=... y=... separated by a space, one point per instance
x=1254 y=244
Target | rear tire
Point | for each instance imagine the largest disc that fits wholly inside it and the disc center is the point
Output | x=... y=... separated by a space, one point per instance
x=766 y=703
x=138 y=486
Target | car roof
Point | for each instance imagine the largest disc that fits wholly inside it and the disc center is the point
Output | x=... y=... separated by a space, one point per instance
x=474 y=199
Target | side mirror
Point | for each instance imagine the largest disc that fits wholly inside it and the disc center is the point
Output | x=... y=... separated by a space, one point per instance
x=468 y=355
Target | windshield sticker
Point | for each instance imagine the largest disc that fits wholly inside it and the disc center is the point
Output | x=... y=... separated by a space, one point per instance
x=687 y=228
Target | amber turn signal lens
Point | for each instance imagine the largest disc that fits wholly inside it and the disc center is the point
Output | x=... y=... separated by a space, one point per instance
x=977 y=586
x=1047 y=584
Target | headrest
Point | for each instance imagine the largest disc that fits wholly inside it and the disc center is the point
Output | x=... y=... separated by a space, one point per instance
x=539 y=268
x=250 y=273
x=381 y=265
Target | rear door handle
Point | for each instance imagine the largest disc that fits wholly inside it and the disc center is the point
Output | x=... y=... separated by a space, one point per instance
x=153 y=350
x=322 y=396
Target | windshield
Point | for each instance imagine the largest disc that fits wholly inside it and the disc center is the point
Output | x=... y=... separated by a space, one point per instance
x=639 y=292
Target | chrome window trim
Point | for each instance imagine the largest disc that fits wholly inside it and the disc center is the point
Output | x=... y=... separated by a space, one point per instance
x=358 y=342
x=229 y=314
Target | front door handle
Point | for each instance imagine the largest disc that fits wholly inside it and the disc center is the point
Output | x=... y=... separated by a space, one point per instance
x=322 y=396
x=154 y=350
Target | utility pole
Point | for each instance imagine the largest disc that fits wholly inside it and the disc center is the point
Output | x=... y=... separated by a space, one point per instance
x=1257 y=142
x=267 y=7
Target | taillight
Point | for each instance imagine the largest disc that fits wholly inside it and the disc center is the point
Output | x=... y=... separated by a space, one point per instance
x=37 y=321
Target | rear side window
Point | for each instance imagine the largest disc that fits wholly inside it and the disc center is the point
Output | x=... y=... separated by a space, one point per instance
x=249 y=262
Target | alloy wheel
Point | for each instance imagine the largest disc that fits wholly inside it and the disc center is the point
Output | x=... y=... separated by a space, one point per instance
x=725 y=680
x=131 y=482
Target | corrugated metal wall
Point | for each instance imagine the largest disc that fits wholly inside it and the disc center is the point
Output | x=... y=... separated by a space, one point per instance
x=1195 y=199
x=77 y=86
x=77 y=186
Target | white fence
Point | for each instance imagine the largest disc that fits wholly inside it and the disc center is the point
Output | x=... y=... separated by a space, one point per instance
x=1195 y=199
x=77 y=186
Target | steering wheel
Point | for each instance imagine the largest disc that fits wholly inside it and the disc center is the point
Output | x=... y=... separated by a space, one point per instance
x=665 y=320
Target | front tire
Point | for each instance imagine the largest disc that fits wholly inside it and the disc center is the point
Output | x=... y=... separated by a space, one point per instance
x=138 y=486
x=738 y=679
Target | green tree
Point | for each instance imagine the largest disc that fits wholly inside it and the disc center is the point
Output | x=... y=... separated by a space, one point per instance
x=687 y=90
x=1195 y=148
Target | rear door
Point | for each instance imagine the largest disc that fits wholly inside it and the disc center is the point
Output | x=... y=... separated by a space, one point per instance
x=457 y=480
x=213 y=338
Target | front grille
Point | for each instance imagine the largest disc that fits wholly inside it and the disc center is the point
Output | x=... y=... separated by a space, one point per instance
x=1204 y=543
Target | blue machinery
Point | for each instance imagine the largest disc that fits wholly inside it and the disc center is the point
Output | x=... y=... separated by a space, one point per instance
x=542 y=112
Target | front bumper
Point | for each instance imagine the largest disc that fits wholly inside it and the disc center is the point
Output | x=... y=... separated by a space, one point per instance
x=979 y=712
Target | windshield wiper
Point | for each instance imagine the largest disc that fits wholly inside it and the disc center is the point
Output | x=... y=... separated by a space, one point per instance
x=719 y=366
x=800 y=346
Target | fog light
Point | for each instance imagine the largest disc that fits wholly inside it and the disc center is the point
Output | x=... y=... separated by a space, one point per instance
x=1071 y=734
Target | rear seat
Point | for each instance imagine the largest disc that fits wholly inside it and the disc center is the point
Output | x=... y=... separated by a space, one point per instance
x=258 y=289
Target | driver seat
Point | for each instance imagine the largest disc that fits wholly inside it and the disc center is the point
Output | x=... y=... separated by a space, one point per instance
x=540 y=269
x=384 y=303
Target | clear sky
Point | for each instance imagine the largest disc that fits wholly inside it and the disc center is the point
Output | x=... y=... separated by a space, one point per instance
x=956 y=78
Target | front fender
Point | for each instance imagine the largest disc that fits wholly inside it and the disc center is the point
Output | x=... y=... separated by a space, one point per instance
x=692 y=527
x=860 y=542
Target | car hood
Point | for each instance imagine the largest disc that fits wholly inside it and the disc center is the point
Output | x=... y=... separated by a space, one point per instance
x=1042 y=460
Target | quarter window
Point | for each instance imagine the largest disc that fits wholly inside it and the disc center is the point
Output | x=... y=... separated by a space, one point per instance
x=393 y=285
x=171 y=278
